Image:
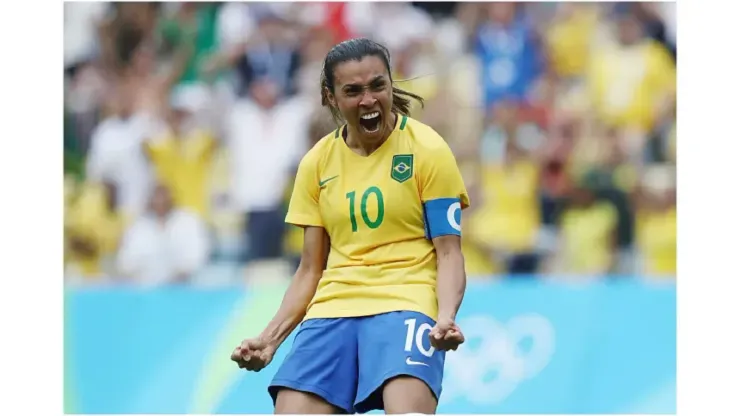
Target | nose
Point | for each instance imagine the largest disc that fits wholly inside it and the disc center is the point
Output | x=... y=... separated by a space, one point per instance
x=367 y=100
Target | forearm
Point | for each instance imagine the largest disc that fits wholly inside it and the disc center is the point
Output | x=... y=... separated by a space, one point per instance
x=292 y=309
x=181 y=58
x=223 y=60
x=451 y=282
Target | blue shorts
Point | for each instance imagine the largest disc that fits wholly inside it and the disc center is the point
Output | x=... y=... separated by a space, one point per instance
x=347 y=360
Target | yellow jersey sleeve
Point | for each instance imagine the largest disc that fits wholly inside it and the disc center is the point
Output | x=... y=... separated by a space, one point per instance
x=439 y=175
x=303 y=209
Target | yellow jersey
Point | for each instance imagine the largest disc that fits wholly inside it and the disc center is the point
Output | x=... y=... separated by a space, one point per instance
x=627 y=84
x=380 y=212
x=88 y=219
x=588 y=238
x=183 y=165
x=510 y=216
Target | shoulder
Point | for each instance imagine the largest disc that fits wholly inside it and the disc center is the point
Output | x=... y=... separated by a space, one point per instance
x=425 y=140
x=422 y=134
x=317 y=154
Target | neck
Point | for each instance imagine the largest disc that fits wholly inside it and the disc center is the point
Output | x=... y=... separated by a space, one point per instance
x=355 y=142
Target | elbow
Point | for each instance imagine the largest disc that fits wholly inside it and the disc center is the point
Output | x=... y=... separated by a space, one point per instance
x=304 y=284
x=308 y=271
x=307 y=280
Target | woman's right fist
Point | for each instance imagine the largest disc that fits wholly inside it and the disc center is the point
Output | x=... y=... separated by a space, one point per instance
x=253 y=354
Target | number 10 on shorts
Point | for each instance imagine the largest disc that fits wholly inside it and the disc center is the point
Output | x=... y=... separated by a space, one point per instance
x=416 y=335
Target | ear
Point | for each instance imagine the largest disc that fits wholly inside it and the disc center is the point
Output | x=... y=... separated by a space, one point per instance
x=330 y=98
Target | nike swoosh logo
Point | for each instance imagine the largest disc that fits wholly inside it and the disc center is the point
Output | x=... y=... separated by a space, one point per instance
x=322 y=183
x=410 y=362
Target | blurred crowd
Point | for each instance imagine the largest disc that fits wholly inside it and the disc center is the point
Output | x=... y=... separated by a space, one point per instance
x=185 y=122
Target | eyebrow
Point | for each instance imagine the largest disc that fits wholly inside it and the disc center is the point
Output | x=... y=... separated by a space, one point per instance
x=355 y=86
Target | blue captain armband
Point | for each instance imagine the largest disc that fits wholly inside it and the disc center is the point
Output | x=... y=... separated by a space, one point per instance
x=442 y=217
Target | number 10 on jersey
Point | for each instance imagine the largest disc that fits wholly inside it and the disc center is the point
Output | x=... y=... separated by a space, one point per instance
x=372 y=224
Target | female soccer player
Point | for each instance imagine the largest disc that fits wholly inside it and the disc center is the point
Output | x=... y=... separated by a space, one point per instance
x=381 y=275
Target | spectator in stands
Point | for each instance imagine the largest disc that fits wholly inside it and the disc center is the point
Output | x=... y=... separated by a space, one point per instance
x=272 y=52
x=509 y=54
x=182 y=154
x=165 y=245
x=507 y=220
x=138 y=68
x=266 y=137
x=588 y=232
x=92 y=230
x=618 y=178
x=115 y=154
x=632 y=85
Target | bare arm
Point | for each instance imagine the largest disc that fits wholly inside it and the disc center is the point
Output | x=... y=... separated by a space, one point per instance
x=302 y=289
x=451 y=278
x=223 y=59
x=180 y=60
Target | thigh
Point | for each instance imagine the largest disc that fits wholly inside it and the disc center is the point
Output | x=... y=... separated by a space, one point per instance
x=322 y=364
x=292 y=402
x=394 y=347
x=406 y=394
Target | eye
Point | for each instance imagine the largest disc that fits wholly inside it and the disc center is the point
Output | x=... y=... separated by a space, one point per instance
x=380 y=86
x=351 y=92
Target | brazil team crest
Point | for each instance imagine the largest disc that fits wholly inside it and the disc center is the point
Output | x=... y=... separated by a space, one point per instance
x=402 y=168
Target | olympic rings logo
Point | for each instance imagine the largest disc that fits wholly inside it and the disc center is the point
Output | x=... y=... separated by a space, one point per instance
x=496 y=358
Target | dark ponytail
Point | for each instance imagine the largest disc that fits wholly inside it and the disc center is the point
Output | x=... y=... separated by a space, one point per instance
x=402 y=101
x=356 y=49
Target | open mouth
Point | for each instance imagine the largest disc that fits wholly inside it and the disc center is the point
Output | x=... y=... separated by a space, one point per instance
x=370 y=122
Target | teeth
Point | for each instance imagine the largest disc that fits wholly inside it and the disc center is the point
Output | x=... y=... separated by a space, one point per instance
x=371 y=115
